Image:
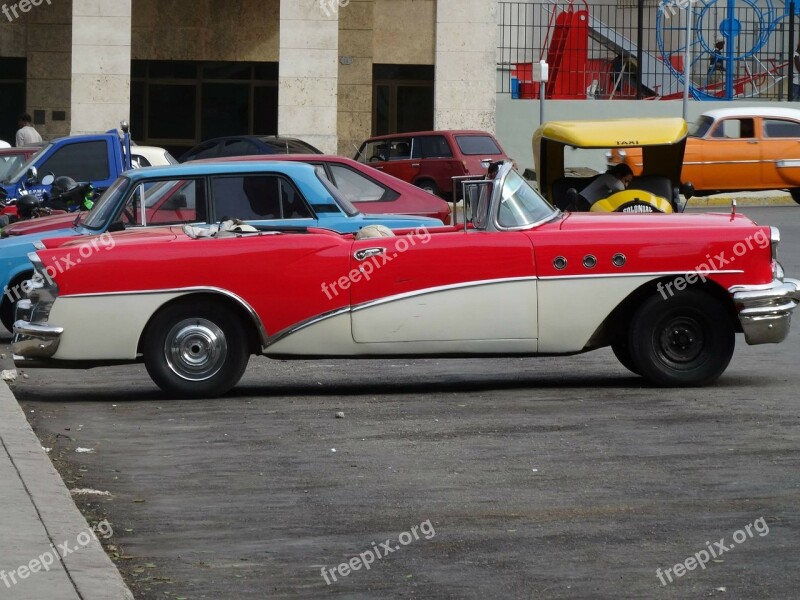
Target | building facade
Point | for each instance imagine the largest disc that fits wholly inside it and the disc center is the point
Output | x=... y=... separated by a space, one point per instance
x=331 y=72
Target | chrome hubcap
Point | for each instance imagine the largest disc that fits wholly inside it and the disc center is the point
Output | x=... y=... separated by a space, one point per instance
x=195 y=349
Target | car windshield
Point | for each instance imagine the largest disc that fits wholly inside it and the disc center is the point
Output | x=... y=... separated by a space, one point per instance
x=477 y=144
x=21 y=172
x=337 y=196
x=107 y=205
x=700 y=127
x=520 y=204
x=9 y=164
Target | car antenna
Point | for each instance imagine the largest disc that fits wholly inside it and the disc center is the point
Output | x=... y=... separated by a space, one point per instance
x=733 y=208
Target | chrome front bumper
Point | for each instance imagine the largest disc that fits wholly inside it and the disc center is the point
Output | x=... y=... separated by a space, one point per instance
x=33 y=340
x=765 y=311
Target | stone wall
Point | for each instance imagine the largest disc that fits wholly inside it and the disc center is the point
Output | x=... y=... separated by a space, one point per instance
x=199 y=30
x=44 y=35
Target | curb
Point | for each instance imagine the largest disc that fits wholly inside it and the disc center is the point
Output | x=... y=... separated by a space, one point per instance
x=87 y=573
x=719 y=200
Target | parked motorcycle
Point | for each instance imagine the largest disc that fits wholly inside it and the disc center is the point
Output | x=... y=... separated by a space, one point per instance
x=66 y=195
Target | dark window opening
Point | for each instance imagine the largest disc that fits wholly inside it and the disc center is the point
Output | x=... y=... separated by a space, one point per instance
x=178 y=104
x=402 y=98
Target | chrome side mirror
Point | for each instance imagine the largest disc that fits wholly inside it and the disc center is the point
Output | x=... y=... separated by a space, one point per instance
x=32 y=176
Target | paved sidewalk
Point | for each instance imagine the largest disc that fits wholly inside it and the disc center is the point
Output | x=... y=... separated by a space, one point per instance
x=47 y=548
x=766 y=198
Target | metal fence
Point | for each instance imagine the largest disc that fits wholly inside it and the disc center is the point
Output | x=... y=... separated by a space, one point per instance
x=629 y=49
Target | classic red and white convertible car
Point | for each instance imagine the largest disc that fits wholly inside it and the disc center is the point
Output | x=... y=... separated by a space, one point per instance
x=667 y=293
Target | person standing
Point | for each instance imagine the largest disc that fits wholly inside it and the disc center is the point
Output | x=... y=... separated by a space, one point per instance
x=26 y=135
x=716 y=64
x=796 y=78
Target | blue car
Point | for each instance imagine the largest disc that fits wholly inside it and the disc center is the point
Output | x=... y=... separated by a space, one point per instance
x=280 y=193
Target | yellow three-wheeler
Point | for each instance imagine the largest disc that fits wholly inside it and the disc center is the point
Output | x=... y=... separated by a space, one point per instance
x=657 y=188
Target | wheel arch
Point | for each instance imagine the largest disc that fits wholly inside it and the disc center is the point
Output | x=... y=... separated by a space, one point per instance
x=256 y=334
x=12 y=292
x=615 y=326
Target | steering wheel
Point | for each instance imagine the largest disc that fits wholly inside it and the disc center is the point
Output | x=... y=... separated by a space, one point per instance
x=376 y=158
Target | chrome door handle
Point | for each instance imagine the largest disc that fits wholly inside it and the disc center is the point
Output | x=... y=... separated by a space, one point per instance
x=366 y=253
x=752 y=142
x=414 y=164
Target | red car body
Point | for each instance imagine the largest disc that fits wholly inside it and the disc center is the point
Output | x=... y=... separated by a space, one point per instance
x=667 y=293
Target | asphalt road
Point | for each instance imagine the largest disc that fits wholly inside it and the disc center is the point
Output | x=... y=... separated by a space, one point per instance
x=524 y=478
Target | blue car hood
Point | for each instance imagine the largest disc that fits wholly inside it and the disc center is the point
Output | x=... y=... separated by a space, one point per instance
x=22 y=244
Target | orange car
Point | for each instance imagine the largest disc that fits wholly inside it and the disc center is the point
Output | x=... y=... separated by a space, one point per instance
x=735 y=149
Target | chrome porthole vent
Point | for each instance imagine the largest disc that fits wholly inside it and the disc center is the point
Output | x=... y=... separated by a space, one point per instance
x=618 y=260
x=590 y=261
x=560 y=263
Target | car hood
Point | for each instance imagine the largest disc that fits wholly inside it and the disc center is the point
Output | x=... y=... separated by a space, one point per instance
x=11 y=246
x=133 y=236
x=41 y=224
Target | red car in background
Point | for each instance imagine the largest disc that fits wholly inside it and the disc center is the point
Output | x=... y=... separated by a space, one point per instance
x=430 y=159
x=371 y=191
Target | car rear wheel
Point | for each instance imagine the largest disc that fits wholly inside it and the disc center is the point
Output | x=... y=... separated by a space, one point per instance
x=795 y=192
x=429 y=186
x=684 y=340
x=623 y=354
x=196 y=352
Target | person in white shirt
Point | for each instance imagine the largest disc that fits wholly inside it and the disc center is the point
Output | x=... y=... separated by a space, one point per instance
x=26 y=135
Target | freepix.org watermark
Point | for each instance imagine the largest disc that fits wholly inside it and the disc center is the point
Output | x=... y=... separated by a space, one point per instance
x=82 y=251
x=378 y=551
x=713 y=551
x=368 y=267
x=13 y=11
x=331 y=7
x=713 y=263
x=44 y=561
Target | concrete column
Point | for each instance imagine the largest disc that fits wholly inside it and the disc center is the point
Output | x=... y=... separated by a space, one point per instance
x=308 y=78
x=101 y=64
x=466 y=70
x=355 y=74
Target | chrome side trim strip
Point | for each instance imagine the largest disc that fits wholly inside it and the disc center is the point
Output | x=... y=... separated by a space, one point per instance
x=439 y=288
x=350 y=308
x=653 y=274
x=273 y=339
x=262 y=332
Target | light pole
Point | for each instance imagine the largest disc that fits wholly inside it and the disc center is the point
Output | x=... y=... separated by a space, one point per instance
x=687 y=55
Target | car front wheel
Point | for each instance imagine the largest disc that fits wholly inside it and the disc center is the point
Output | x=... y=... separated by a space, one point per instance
x=681 y=341
x=196 y=352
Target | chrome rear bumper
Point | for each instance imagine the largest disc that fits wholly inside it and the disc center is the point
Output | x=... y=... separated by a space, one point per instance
x=765 y=311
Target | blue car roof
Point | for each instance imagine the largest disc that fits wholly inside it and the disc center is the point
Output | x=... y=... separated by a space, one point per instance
x=293 y=169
